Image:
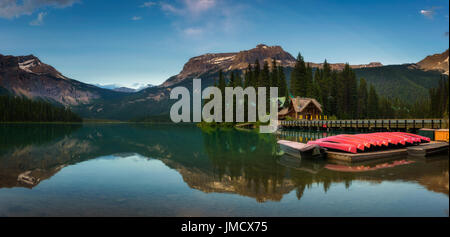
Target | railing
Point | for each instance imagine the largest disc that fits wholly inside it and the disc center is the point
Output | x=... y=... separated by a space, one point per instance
x=366 y=123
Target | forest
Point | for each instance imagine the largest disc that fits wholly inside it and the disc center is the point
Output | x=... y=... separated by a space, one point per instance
x=21 y=109
x=341 y=93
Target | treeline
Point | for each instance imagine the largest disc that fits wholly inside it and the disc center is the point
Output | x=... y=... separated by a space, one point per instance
x=254 y=76
x=343 y=96
x=439 y=98
x=20 y=109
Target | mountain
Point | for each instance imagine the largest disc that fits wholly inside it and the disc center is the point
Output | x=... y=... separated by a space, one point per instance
x=119 y=88
x=124 y=89
x=28 y=76
x=211 y=63
x=437 y=62
x=402 y=81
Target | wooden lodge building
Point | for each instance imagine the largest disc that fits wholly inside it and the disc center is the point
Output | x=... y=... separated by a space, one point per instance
x=299 y=108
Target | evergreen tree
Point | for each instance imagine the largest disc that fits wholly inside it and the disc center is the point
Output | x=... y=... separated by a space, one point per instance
x=325 y=84
x=307 y=90
x=274 y=74
x=373 y=103
x=222 y=85
x=247 y=76
x=282 y=85
x=21 y=109
x=256 y=74
x=265 y=82
x=299 y=77
x=362 y=99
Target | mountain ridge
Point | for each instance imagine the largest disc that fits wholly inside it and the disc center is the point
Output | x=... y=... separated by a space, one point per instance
x=213 y=62
x=28 y=76
x=437 y=62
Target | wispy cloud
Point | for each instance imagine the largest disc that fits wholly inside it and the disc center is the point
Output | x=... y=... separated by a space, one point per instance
x=148 y=4
x=15 y=8
x=136 y=18
x=39 y=20
x=195 y=18
x=429 y=13
x=193 y=31
x=189 y=7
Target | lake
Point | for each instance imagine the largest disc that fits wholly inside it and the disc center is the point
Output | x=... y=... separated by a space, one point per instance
x=169 y=170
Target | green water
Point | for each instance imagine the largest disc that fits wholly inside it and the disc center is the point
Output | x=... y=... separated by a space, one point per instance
x=139 y=170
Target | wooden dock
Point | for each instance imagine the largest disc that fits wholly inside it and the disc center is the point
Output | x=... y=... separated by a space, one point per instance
x=426 y=148
x=365 y=124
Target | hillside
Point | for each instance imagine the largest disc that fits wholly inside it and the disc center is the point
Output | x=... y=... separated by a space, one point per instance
x=400 y=81
x=28 y=76
x=437 y=62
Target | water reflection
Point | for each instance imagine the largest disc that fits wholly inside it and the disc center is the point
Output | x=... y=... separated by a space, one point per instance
x=215 y=161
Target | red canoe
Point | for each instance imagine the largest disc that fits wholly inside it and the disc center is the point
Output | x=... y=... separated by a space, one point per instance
x=394 y=139
x=408 y=139
x=337 y=146
x=422 y=138
x=359 y=145
x=367 y=142
x=374 y=140
x=389 y=139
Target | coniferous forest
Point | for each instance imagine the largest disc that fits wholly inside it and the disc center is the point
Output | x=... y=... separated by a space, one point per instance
x=344 y=96
x=20 y=109
x=341 y=93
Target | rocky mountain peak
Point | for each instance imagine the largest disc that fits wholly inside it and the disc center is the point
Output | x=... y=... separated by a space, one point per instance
x=438 y=62
x=213 y=62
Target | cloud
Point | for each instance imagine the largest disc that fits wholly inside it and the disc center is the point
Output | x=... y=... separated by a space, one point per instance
x=39 y=20
x=429 y=13
x=148 y=4
x=136 y=18
x=202 y=19
x=193 y=31
x=189 y=7
x=446 y=34
x=15 y=8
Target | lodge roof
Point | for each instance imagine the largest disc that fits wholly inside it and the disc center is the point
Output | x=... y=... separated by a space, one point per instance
x=300 y=103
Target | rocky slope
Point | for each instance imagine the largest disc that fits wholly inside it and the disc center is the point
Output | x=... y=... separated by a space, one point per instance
x=28 y=76
x=212 y=63
x=437 y=62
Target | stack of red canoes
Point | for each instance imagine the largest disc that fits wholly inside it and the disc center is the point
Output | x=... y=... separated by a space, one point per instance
x=355 y=143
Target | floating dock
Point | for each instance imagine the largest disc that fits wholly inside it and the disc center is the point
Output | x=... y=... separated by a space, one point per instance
x=428 y=149
x=419 y=150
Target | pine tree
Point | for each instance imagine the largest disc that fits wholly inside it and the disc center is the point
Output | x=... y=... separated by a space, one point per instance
x=247 y=76
x=373 y=103
x=256 y=74
x=222 y=85
x=282 y=85
x=307 y=90
x=362 y=99
x=298 y=77
x=274 y=74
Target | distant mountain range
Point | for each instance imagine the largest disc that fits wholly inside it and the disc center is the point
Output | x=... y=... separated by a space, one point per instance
x=116 y=87
x=28 y=76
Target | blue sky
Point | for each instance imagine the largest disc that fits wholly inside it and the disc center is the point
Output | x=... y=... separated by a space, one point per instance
x=143 y=41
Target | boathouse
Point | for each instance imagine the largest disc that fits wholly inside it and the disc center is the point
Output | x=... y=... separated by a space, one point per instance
x=301 y=108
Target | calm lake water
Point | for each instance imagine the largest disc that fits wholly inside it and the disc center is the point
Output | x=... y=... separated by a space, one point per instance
x=143 y=170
